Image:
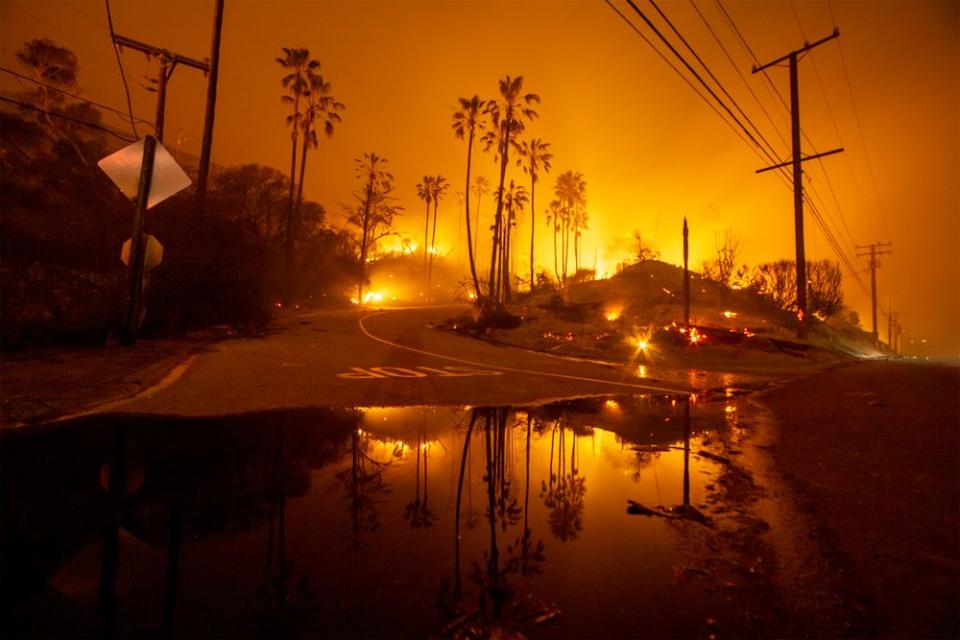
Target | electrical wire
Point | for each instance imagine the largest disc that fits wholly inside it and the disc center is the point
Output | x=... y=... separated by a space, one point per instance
x=71 y=95
x=123 y=75
x=87 y=123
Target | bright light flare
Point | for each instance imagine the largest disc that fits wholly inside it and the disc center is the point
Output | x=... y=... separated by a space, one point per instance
x=730 y=314
x=696 y=337
x=372 y=296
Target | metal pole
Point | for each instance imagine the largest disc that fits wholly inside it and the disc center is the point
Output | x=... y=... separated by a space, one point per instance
x=798 y=198
x=137 y=249
x=207 y=143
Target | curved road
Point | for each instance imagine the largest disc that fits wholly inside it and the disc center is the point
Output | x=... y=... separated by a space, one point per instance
x=352 y=358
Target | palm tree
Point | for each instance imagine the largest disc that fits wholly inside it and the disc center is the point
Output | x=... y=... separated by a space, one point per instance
x=439 y=188
x=534 y=158
x=371 y=169
x=514 y=200
x=508 y=115
x=300 y=67
x=481 y=187
x=466 y=122
x=425 y=193
x=553 y=220
x=571 y=190
x=321 y=110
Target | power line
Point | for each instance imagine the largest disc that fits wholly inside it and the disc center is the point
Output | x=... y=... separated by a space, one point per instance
x=712 y=76
x=67 y=93
x=123 y=75
x=676 y=70
x=736 y=68
x=87 y=123
x=856 y=113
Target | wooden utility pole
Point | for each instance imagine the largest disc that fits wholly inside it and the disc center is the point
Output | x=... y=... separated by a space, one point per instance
x=872 y=251
x=212 y=79
x=796 y=162
x=686 y=277
x=168 y=63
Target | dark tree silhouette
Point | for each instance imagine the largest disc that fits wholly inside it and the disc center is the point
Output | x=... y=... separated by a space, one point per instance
x=535 y=158
x=470 y=119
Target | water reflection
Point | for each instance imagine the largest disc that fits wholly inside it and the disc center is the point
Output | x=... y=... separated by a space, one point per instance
x=223 y=527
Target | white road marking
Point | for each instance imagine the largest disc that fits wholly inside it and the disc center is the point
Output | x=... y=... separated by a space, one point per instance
x=548 y=374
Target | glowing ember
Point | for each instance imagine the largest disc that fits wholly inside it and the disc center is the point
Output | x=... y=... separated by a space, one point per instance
x=642 y=371
x=695 y=336
x=611 y=405
x=729 y=314
x=613 y=313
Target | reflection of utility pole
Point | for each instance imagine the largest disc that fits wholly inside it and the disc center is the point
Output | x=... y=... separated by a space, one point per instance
x=872 y=251
x=796 y=162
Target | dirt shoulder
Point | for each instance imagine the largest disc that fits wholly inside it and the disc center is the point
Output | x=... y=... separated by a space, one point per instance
x=42 y=384
x=872 y=453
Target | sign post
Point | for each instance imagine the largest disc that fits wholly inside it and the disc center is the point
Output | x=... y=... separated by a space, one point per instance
x=131 y=317
x=146 y=172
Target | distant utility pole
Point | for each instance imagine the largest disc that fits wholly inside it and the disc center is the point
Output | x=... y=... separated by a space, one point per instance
x=212 y=79
x=686 y=277
x=796 y=162
x=168 y=63
x=872 y=251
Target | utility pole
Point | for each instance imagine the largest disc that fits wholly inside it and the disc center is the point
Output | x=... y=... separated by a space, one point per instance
x=205 y=147
x=796 y=162
x=686 y=277
x=872 y=251
x=168 y=63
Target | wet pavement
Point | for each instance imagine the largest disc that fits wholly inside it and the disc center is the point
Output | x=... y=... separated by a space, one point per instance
x=573 y=518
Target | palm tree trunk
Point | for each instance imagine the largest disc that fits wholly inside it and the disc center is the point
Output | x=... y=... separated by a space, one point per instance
x=476 y=246
x=498 y=219
x=473 y=267
x=433 y=245
x=426 y=253
x=556 y=265
x=288 y=239
x=363 y=240
x=299 y=202
x=533 y=226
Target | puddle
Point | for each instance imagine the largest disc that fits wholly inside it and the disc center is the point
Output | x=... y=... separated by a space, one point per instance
x=564 y=519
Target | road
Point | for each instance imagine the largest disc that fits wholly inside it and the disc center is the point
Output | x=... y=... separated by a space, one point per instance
x=353 y=358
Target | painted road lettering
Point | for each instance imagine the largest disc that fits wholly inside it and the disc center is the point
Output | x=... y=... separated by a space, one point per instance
x=373 y=373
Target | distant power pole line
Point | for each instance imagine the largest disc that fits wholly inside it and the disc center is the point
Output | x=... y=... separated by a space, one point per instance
x=872 y=251
x=796 y=162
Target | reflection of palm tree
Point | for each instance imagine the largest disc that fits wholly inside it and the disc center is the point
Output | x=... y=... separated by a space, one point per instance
x=364 y=484
x=456 y=538
x=418 y=511
x=565 y=492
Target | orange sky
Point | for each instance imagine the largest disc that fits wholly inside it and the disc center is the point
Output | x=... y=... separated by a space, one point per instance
x=650 y=149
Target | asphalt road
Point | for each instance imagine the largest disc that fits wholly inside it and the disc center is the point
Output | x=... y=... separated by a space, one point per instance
x=379 y=358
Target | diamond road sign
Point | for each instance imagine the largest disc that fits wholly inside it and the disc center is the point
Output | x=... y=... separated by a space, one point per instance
x=123 y=167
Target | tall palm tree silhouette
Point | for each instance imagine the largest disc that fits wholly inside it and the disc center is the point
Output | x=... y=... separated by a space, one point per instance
x=535 y=158
x=508 y=115
x=438 y=186
x=300 y=68
x=321 y=111
x=425 y=193
x=514 y=199
x=466 y=122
